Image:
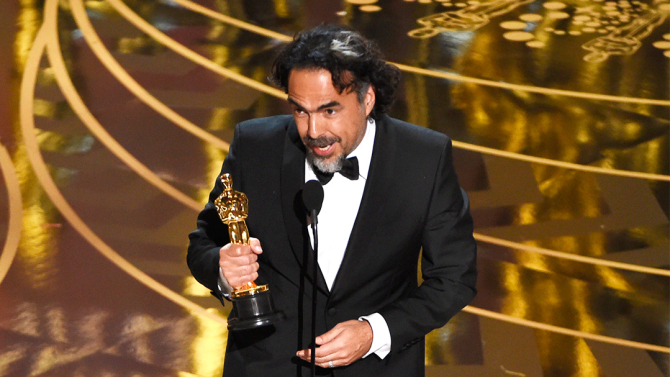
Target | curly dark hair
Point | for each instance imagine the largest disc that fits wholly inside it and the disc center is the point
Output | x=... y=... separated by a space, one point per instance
x=353 y=61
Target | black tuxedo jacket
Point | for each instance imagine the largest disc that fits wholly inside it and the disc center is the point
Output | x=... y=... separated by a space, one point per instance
x=412 y=201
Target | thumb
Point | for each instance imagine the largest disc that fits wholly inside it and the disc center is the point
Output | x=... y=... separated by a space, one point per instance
x=255 y=245
x=328 y=336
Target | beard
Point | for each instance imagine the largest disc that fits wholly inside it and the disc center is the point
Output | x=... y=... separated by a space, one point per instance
x=321 y=163
x=331 y=164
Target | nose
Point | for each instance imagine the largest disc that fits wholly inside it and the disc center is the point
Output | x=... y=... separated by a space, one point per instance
x=313 y=128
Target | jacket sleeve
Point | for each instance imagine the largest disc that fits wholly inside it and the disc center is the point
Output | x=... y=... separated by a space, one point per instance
x=448 y=263
x=211 y=233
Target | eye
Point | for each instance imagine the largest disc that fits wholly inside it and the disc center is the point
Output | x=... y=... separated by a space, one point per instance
x=330 y=111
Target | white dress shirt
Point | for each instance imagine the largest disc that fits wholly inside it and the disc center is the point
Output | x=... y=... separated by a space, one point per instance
x=342 y=199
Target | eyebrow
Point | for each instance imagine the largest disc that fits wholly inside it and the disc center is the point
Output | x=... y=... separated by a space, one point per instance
x=329 y=104
x=324 y=106
x=291 y=101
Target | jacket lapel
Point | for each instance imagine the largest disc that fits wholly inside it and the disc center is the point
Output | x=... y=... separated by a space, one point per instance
x=295 y=215
x=379 y=179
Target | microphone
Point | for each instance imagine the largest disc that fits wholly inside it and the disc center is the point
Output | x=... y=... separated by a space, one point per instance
x=312 y=196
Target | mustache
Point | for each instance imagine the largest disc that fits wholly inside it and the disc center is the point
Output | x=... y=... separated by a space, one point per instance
x=319 y=142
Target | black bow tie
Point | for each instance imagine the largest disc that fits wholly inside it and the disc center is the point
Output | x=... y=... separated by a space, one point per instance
x=349 y=170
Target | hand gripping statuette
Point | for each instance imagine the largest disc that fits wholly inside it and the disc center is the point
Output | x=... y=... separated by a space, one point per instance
x=252 y=304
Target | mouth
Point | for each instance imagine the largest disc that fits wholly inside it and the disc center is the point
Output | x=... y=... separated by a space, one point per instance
x=323 y=151
x=321 y=147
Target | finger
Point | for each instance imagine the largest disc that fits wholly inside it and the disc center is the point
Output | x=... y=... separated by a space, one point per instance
x=331 y=362
x=328 y=336
x=255 y=245
x=246 y=269
x=320 y=361
x=239 y=250
x=238 y=278
x=328 y=365
x=233 y=270
x=238 y=282
x=240 y=264
x=233 y=250
x=244 y=260
x=322 y=355
x=304 y=354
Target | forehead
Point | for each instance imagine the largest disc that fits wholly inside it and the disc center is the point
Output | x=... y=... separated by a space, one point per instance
x=310 y=81
x=313 y=90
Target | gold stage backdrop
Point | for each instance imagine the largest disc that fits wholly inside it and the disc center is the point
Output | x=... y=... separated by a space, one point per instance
x=117 y=114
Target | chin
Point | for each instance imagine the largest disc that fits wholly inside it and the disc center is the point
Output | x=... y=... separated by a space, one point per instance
x=330 y=164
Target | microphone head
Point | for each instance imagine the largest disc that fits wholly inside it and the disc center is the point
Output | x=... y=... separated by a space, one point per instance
x=312 y=196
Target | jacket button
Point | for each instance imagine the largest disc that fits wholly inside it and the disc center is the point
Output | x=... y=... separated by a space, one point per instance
x=332 y=311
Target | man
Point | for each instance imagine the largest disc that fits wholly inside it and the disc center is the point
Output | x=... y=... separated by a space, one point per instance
x=401 y=198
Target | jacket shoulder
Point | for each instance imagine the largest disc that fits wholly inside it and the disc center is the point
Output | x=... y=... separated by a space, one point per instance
x=264 y=127
x=408 y=134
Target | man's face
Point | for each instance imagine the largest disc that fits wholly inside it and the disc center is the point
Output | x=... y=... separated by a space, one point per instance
x=331 y=124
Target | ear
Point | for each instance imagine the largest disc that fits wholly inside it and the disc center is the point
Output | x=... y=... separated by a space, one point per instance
x=369 y=100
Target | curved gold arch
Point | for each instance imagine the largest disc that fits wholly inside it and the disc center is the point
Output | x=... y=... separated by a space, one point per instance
x=427 y=72
x=559 y=164
x=573 y=257
x=77 y=104
x=564 y=331
x=15 y=212
x=159 y=36
x=106 y=58
x=43 y=176
x=135 y=19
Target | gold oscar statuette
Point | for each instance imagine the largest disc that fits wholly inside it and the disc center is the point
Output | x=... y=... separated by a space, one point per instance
x=252 y=304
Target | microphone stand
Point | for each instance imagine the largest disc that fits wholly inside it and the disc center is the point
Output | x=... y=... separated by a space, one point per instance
x=314 y=289
x=312 y=196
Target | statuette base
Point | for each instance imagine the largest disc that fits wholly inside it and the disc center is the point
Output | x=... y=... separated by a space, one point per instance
x=254 y=309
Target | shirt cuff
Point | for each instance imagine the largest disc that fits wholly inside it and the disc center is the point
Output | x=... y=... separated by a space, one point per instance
x=224 y=287
x=381 y=336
